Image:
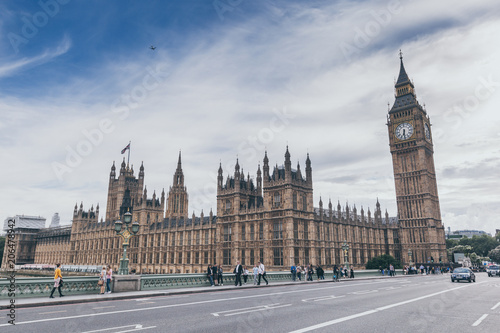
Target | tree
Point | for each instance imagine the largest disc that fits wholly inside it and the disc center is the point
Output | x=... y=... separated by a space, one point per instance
x=2 y=245
x=495 y=254
x=382 y=261
x=480 y=244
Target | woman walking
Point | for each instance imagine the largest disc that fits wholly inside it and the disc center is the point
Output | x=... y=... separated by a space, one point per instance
x=245 y=274
x=102 y=280
x=220 y=281
x=57 y=281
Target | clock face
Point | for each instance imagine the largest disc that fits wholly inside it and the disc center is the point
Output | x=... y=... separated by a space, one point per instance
x=404 y=131
x=427 y=132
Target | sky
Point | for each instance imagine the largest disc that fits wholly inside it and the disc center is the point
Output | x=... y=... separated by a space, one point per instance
x=233 y=78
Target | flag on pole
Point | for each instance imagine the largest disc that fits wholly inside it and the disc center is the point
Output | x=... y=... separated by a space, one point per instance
x=126 y=148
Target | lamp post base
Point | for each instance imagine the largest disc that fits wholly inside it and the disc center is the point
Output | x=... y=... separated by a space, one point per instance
x=123 y=270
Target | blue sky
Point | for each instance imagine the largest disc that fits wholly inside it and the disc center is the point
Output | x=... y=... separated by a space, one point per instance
x=235 y=77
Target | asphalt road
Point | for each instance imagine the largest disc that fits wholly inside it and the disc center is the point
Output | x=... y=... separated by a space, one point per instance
x=413 y=304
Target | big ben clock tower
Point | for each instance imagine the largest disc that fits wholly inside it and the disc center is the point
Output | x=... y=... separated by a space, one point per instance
x=421 y=230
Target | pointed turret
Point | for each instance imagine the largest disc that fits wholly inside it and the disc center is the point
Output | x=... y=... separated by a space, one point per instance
x=112 y=174
x=141 y=171
x=265 y=168
x=259 y=181
x=220 y=178
x=308 y=171
x=288 y=165
x=405 y=91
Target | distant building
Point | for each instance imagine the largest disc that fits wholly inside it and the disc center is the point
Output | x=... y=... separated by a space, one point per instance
x=466 y=233
x=26 y=229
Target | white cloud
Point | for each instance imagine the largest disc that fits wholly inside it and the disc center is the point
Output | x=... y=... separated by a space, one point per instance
x=221 y=95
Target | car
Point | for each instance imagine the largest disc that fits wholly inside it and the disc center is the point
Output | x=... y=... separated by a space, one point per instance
x=464 y=274
x=493 y=270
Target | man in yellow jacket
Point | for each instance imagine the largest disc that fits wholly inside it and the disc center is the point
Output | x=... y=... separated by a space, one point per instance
x=57 y=281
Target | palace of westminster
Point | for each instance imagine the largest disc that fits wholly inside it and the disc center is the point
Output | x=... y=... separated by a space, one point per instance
x=272 y=220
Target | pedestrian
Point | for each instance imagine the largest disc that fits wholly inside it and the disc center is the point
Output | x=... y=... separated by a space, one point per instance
x=335 y=273
x=299 y=273
x=58 y=281
x=293 y=270
x=215 y=273
x=262 y=273
x=245 y=274
x=352 y=274
x=238 y=270
x=109 y=276
x=310 y=272
x=102 y=279
x=210 y=275
x=318 y=272
x=220 y=280
x=255 y=274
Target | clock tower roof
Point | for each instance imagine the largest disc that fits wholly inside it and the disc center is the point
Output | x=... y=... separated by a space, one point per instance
x=405 y=91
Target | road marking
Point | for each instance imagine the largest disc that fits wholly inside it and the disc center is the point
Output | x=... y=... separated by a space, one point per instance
x=142 y=299
x=480 y=320
x=322 y=298
x=362 y=292
x=146 y=303
x=362 y=314
x=52 y=312
x=252 y=309
x=496 y=306
x=103 y=307
x=216 y=314
x=136 y=327
x=194 y=303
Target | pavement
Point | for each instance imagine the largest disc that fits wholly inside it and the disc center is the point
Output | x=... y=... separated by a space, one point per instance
x=89 y=298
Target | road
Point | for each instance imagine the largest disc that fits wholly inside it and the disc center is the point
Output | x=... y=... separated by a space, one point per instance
x=416 y=304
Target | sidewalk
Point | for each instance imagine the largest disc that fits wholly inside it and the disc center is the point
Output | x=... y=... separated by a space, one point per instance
x=42 y=301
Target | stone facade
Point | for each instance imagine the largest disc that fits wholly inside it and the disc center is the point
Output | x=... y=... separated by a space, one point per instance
x=271 y=219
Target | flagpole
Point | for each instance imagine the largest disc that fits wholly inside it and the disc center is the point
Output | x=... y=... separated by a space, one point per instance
x=128 y=153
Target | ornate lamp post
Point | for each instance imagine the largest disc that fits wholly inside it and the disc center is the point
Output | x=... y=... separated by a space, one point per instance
x=126 y=234
x=345 y=248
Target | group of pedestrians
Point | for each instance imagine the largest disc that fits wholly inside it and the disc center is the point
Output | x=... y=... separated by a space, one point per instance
x=215 y=274
x=342 y=272
x=105 y=279
x=390 y=271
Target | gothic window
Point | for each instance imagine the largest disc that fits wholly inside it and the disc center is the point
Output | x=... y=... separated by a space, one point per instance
x=206 y=237
x=166 y=239
x=278 y=230
x=148 y=219
x=296 y=255
x=205 y=257
x=197 y=257
x=295 y=230
x=179 y=258
x=189 y=237
x=243 y=257
x=227 y=233
x=304 y=202
x=181 y=210
x=252 y=257
x=306 y=230
x=164 y=257
x=228 y=205
x=198 y=237
x=277 y=199
x=158 y=258
x=294 y=200
x=226 y=257
x=318 y=232
x=261 y=255
x=188 y=257
x=181 y=238
x=176 y=203
x=306 y=255
x=243 y=233
x=278 y=256
x=252 y=232
x=261 y=231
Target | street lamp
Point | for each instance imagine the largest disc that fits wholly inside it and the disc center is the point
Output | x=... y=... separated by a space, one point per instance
x=345 y=248
x=126 y=234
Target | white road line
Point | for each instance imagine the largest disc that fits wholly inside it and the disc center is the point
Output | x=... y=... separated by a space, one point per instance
x=496 y=306
x=362 y=314
x=480 y=320
x=216 y=314
x=103 y=307
x=52 y=312
x=136 y=327
x=194 y=303
x=263 y=309
x=362 y=292
x=321 y=298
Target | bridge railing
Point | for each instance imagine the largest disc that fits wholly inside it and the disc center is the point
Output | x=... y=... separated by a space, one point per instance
x=41 y=287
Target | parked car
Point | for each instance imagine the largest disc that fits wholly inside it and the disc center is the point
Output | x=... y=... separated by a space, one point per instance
x=493 y=270
x=462 y=274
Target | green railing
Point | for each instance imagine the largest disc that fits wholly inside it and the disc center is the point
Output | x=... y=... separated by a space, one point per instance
x=41 y=287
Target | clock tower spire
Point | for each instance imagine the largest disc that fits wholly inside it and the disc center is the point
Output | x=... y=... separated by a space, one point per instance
x=411 y=146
